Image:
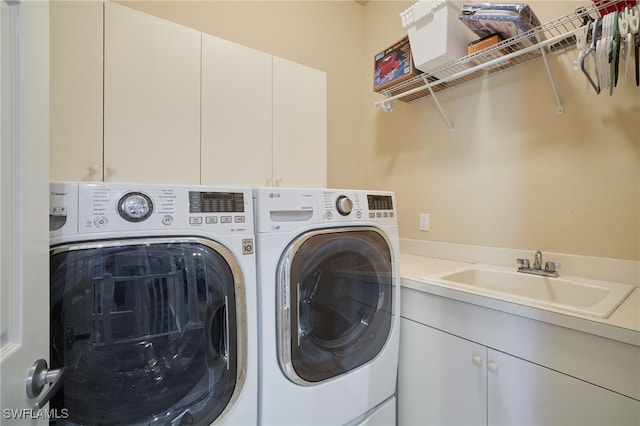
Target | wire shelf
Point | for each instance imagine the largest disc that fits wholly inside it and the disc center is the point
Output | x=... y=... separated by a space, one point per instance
x=552 y=37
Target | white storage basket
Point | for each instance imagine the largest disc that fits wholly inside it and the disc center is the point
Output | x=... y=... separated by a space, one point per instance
x=436 y=35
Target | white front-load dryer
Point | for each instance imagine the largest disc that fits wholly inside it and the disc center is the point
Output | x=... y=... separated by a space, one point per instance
x=153 y=304
x=329 y=300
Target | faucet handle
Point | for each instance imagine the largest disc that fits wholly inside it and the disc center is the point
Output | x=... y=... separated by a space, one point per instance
x=551 y=266
x=524 y=263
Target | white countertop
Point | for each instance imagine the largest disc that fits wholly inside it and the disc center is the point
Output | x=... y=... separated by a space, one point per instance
x=622 y=325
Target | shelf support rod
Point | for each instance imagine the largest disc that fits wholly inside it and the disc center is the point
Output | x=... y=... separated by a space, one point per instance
x=435 y=99
x=559 y=106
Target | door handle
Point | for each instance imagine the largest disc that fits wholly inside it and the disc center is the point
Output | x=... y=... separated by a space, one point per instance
x=38 y=376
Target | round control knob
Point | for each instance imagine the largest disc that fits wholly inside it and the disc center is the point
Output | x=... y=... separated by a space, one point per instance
x=344 y=205
x=135 y=206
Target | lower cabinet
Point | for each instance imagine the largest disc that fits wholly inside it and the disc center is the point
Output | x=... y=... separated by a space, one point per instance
x=445 y=379
x=442 y=379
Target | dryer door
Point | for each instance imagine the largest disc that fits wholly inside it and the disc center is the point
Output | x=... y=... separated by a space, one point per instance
x=150 y=331
x=335 y=301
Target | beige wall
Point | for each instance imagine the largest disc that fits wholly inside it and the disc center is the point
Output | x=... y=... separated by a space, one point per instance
x=514 y=175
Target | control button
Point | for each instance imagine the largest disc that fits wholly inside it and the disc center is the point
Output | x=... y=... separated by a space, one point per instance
x=329 y=215
x=197 y=220
x=211 y=220
x=344 y=205
x=225 y=219
x=100 y=222
x=239 y=219
x=167 y=220
x=358 y=214
x=378 y=214
x=58 y=210
x=135 y=206
x=372 y=215
x=390 y=214
x=385 y=214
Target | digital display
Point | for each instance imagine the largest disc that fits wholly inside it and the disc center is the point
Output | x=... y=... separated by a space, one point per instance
x=380 y=202
x=216 y=202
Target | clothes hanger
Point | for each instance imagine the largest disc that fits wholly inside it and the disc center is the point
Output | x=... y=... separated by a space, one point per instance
x=603 y=46
x=626 y=38
x=592 y=52
x=614 y=55
x=582 y=36
x=634 y=27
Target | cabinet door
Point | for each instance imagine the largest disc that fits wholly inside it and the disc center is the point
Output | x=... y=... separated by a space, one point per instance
x=441 y=378
x=236 y=114
x=151 y=98
x=76 y=90
x=523 y=393
x=299 y=125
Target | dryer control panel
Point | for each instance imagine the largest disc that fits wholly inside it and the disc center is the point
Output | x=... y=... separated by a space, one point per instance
x=290 y=208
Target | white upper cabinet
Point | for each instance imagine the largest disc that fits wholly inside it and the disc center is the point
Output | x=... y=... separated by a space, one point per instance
x=299 y=125
x=151 y=98
x=263 y=119
x=142 y=99
x=236 y=114
x=76 y=90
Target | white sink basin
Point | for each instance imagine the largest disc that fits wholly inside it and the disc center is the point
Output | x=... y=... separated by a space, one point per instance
x=583 y=296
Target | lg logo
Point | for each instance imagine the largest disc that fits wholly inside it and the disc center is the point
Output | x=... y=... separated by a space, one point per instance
x=274 y=195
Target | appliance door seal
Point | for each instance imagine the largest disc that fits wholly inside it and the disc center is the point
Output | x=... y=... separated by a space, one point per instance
x=334 y=303
x=150 y=330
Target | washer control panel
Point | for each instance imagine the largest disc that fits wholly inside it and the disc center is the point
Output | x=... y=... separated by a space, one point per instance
x=116 y=207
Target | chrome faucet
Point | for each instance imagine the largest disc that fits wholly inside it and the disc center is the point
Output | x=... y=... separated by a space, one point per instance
x=549 y=266
x=537 y=260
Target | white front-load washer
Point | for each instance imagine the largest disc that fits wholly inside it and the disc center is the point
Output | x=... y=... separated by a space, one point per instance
x=329 y=306
x=153 y=304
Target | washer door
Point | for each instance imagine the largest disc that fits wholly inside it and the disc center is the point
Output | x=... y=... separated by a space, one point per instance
x=150 y=331
x=335 y=301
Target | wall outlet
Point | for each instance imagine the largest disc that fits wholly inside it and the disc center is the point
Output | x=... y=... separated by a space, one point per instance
x=424 y=222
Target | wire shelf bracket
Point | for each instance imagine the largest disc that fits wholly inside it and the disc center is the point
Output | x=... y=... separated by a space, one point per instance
x=559 y=105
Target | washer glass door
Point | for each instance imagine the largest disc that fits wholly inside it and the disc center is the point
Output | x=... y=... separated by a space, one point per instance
x=335 y=302
x=150 y=331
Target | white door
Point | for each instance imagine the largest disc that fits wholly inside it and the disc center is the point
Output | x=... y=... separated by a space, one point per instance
x=151 y=98
x=524 y=393
x=24 y=159
x=236 y=114
x=442 y=379
x=299 y=125
x=76 y=63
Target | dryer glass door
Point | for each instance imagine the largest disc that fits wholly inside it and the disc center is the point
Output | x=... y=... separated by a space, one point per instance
x=339 y=287
x=150 y=331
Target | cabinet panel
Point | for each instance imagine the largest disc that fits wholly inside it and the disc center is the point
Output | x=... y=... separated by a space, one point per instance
x=442 y=379
x=76 y=90
x=236 y=114
x=151 y=98
x=299 y=125
x=523 y=393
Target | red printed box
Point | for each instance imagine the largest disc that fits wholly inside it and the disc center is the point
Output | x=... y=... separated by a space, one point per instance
x=393 y=65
